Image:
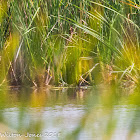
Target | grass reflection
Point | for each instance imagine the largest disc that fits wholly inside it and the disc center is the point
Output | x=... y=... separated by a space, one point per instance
x=103 y=112
x=23 y=110
x=110 y=114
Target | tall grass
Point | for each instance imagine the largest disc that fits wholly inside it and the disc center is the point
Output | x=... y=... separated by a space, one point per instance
x=71 y=42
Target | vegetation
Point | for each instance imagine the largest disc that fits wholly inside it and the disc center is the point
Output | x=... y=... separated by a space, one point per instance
x=69 y=42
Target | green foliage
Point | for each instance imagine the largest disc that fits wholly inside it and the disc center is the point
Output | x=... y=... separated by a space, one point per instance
x=61 y=41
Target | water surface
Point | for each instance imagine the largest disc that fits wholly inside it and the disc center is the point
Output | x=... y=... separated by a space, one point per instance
x=68 y=114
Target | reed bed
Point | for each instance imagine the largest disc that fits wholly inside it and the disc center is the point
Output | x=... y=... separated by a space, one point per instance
x=69 y=42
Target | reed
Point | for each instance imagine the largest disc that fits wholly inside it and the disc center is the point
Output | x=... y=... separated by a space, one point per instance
x=70 y=42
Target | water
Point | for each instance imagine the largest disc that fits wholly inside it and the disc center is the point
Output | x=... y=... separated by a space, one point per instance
x=68 y=114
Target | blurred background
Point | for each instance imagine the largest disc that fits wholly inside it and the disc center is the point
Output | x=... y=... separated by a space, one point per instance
x=70 y=69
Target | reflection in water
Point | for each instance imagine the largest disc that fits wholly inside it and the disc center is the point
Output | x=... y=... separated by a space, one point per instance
x=42 y=111
x=70 y=114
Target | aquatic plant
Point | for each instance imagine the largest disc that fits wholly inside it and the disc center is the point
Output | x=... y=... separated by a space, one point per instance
x=70 y=42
